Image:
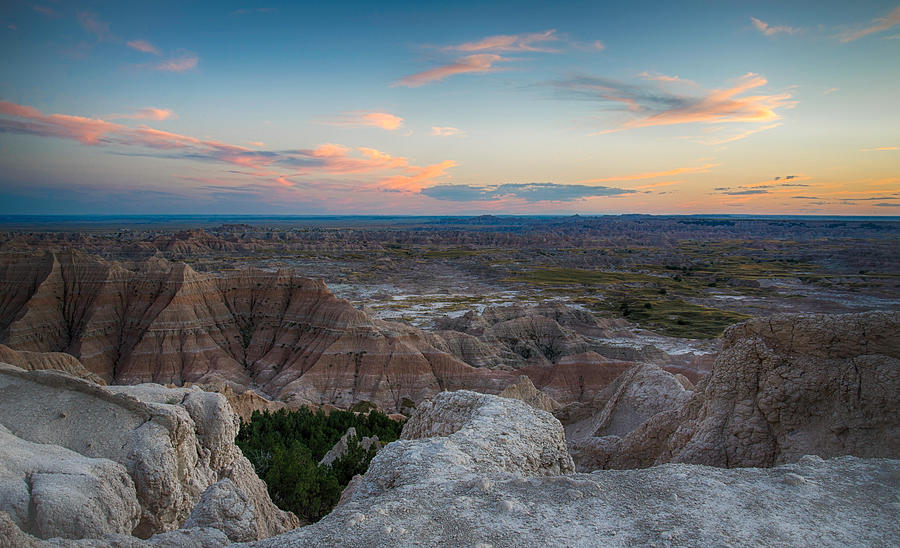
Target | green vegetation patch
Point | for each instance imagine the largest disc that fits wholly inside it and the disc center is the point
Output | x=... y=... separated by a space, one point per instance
x=286 y=446
x=675 y=317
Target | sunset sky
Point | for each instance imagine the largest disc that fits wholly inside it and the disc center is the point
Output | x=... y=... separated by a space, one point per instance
x=450 y=108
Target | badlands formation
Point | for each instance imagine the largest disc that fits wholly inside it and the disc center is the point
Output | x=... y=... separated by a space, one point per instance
x=289 y=337
x=790 y=439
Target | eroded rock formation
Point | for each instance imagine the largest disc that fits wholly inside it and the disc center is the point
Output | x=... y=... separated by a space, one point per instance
x=782 y=387
x=156 y=448
x=525 y=390
x=57 y=361
x=476 y=470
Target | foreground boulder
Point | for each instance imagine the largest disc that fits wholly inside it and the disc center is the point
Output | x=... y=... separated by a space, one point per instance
x=480 y=470
x=50 y=491
x=781 y=388
x=171 y=445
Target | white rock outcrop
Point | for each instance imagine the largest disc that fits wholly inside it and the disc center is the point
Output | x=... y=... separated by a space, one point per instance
x=50 y=491
x=173 y=443
x=479 y=470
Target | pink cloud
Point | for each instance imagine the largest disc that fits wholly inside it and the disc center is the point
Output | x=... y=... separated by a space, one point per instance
x=446 y=131
x=880 y=24
x=277 y=167
x=148 y=113
x=88 y=131
x=478 y=63
x=181 y=63
x=771 y=30
x=142 y=46
x=509 y=42
x=383 y=120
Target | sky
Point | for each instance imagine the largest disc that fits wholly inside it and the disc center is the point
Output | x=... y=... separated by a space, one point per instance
x=421 y=108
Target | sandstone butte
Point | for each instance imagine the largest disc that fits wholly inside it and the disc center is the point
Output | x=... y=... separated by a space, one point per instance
x=285 y=336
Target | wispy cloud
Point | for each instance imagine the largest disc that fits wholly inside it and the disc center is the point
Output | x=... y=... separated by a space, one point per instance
x=143 y=46
x=49 y=12
x=829 y=91
x=477 y=63
x=384 y=170
x=509 y=42
x=446 y=131
x=738 y=136
x=530 y=192
x=90 y=22
x=771 y=30
x=148 y=113
x=383 y=120
x=418 y=178
x=656 y=77
x=878 y=25
x=879 y=149
x=180 y=63
x=653 y=174
x=658 y=106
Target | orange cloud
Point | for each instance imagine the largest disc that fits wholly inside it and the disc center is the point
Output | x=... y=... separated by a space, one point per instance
x=383 y=120
x=721 y=106
x=655 y=185
x=653 y=174
x=770 y=30
x=880 y=149
x=276 y=167
x=142 y=46
x=509 y=42
x=879 y=25
x=417 y=181
x=481 y=62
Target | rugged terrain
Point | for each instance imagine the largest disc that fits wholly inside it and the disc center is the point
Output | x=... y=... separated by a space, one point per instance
x=292 y=339
x=479 y=470
x=81 y=461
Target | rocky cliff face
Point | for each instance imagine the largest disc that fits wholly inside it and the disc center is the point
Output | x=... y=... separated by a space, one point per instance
x=166 y=323
x=781 y=388
x=286 y=335
x=140 y=457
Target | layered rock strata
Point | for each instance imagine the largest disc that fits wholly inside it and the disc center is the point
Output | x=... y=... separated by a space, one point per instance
x=782 y=387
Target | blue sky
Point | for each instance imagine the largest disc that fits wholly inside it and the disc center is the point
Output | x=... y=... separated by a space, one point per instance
x=425 y=108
